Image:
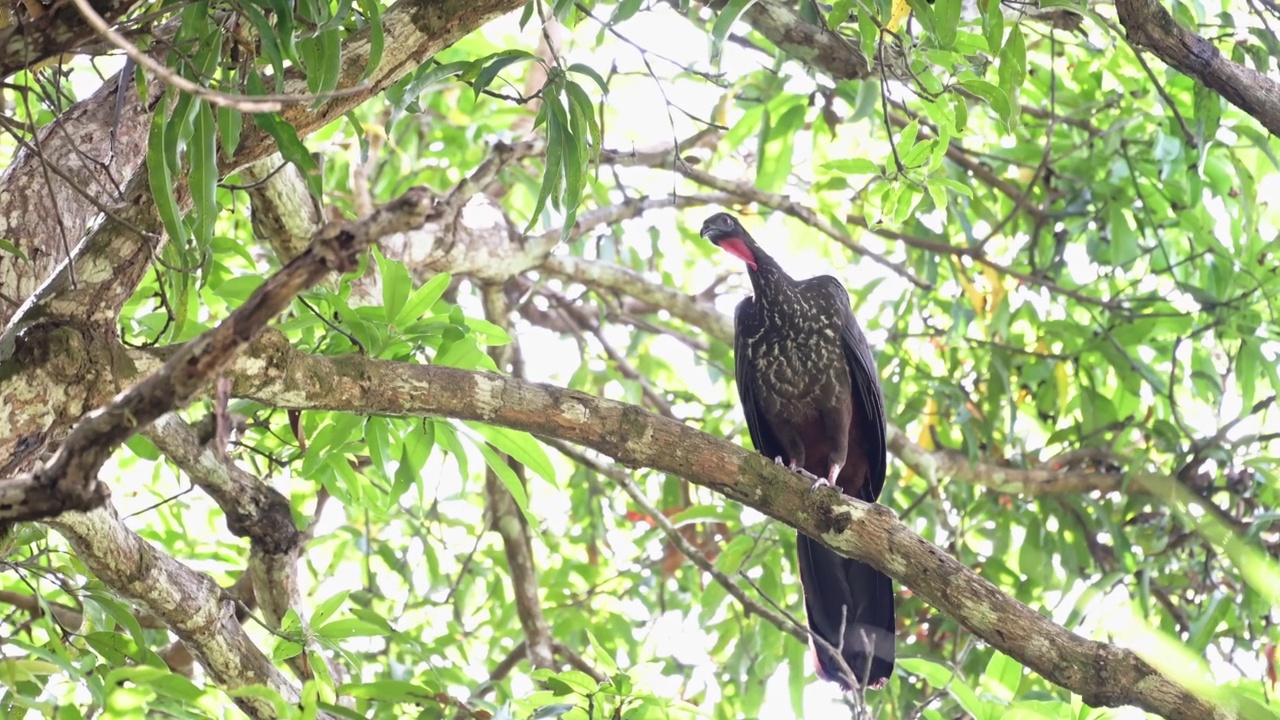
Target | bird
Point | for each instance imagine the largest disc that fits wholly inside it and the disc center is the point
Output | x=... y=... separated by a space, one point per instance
x=811 y=395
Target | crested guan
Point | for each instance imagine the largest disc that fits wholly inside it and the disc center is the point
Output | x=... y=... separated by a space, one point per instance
x=811 y=395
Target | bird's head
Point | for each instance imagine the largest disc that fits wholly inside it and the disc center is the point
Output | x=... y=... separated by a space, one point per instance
x=724 y=230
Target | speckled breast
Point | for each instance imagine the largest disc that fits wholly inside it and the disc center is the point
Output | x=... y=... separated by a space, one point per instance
x=799 y=372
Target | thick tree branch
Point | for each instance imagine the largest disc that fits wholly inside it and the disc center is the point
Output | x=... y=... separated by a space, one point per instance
x=198 y=611
x=822 y=49
x=59 y=30
x=1151 y=26
x=1105 y=675
x=254 y=510
x=69 y=481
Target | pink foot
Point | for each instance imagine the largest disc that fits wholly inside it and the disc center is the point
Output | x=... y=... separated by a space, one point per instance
x=797 y=470
x=829 y=481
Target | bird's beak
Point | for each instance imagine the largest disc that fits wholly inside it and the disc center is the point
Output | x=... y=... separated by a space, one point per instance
x=715 y=233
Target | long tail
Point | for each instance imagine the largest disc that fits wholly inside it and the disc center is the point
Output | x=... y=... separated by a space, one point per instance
x=844 y=594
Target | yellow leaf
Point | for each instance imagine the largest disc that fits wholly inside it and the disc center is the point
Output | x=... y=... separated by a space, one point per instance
x=900 y=12
x=1064 y=384
x=997 y=286
x=925 y=440
x=976 y=298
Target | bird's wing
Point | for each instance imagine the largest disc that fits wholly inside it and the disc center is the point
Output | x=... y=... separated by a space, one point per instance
x=868 y=398
x=762 y=436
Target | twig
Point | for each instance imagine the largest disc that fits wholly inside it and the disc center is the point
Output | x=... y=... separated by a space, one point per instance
x=787 y=625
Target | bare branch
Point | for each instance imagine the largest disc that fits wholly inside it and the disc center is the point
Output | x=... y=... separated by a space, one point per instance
x=697 y=557
x=749 y=192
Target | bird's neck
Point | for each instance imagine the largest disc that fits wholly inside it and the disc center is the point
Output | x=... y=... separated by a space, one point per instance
x=770 y=281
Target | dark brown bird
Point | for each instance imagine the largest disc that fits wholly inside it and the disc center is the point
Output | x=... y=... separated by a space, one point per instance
x=811 y=395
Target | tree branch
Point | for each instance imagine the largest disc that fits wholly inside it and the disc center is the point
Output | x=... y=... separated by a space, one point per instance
x=623 y=480
x=1105 y=675
x=1151 y=26
x=198 y=611
x=510 y=522
x=58 y=31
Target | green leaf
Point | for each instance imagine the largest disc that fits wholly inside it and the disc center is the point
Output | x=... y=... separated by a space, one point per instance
x=495 y=66
x=733 y=555
x=582 y=108
x=992 y=25
x=203 y=178
x=285 y=649
x=378 y=436
x=330 y=61
x=625 y=10
x=230 y=122
x=520 y=445
x=604 y=656
x=348 y=628
x=1003 y=676
x=396 y=285
x=852 y=166
x=1208 y=114
x=1012 y=64
x=947 y=21
x=328 y=607
x=778 y=143
x=702 y=513
x=868 y=37
x=509 y=480
x=422 y=299
x=995 y=97
x=574 y=155
x=549 y=712
x=161 y=181
x=727 y=17
x=940 y=677
x=288 y=142
x=395 y=691
x=555 y=152
x=6 y=246
x=590 y=72
x=415 y=449
x=840 y=12
x=373 y=16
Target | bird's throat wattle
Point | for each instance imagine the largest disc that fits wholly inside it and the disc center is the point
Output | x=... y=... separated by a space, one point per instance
x=739 y=249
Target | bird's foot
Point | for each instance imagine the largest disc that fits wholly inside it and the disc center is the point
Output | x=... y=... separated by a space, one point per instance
x=803 y=473
x=823 y=483
x=796 y=469
x=828 y=481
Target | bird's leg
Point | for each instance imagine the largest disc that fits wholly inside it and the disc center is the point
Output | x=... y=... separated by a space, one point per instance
x=797 y=469
x=829 y=480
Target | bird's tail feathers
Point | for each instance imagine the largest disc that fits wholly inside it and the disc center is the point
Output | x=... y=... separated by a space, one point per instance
x=849 y=605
